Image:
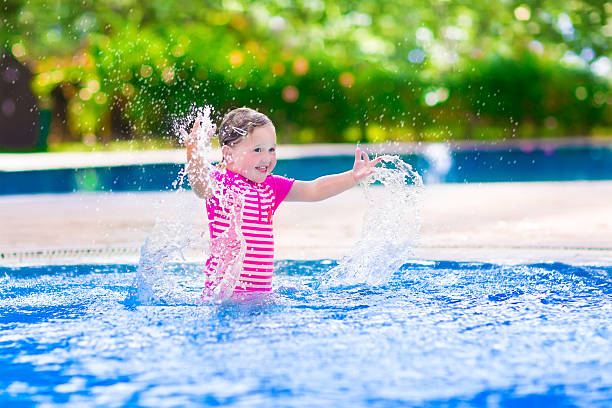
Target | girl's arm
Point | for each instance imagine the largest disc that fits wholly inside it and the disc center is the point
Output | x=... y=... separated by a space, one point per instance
x=197 y=162
x=328 y=186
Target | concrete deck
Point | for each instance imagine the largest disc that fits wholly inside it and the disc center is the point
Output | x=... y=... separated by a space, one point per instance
x=510 y=223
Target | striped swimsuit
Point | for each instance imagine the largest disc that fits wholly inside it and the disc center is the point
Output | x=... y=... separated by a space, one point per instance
x=241 y=235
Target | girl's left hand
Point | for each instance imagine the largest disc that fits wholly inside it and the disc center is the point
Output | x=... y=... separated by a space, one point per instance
x=363 y=167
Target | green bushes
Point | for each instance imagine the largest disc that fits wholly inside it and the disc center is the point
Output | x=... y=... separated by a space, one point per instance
x=535 y=96
x=311 y=99
x=325 y=72
x=496 y=98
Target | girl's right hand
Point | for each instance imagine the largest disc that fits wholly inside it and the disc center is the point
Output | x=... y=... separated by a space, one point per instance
x=198 y=152
x=191 y=140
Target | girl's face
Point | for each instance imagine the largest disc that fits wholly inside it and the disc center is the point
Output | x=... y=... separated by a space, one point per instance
x=254 y=156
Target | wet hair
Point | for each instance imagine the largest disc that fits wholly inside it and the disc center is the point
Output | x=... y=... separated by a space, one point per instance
x=238 y=123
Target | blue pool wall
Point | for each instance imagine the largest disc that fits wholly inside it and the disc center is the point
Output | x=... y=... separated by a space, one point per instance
x=465 y=166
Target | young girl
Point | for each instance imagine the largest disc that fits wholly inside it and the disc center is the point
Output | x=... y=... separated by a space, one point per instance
x=242 y=195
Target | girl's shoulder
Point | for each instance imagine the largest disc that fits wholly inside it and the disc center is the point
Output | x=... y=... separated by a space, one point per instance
x=273 y=180
x=280 y=186
x=223 y=177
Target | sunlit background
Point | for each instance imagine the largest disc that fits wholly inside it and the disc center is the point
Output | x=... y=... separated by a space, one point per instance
x=78 y=75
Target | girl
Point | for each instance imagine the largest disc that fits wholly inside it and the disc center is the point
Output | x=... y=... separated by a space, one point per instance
x=242 y=195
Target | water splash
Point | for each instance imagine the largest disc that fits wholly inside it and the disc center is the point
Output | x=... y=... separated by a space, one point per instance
x=206 y=114
x=440 y=160
x=391 y=227
x=228 y=249
x=175 y=237
x=202 y=164
x=176 y=232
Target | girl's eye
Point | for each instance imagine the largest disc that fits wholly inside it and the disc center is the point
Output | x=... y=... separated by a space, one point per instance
x=272 y=149
x=257 y=150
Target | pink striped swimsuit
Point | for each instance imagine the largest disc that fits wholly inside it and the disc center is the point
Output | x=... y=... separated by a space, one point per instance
x=249 y=249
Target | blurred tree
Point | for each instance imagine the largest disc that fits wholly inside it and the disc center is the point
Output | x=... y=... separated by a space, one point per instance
x=323 y=70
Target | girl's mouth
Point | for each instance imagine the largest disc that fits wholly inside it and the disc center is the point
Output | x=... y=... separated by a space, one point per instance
x=261 y=169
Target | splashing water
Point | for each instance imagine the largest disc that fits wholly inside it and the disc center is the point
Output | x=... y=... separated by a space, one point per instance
x=228 y=249
x=174 y=236
x=440 y=160
x=391 y=227
x=175 y=231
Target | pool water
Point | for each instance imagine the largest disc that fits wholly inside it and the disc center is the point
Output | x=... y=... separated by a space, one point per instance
x=437 y=334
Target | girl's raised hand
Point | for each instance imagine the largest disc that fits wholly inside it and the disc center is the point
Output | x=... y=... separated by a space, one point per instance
x=363 y=166
x=198 y=152
x=191 y=140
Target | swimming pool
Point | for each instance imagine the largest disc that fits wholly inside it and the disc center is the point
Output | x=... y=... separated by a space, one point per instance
x=438 y=334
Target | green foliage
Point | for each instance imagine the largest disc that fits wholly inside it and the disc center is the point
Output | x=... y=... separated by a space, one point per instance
x=323 y=71
x=533 y=93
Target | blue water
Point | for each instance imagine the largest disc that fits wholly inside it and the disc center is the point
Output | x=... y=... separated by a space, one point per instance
x=439 y=334
x=553 y=164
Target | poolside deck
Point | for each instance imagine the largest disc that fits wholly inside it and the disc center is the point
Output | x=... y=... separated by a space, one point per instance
x=568 y=222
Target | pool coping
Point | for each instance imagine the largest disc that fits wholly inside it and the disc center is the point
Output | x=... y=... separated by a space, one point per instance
x=493 y=254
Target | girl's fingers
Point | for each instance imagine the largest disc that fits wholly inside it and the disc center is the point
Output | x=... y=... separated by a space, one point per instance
x=363 y=159
x=357 y=154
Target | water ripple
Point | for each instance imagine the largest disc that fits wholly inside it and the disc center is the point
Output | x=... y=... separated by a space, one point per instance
x=437 y=334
